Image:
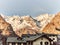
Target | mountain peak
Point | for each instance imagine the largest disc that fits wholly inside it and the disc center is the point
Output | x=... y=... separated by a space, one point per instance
x=5 y=28
x=25 y=24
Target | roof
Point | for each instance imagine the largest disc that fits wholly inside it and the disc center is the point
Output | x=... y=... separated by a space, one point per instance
x=27 y=38
x=14 y=39
x=32 y=37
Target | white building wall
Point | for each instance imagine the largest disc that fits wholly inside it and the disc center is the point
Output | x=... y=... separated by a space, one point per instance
x=37 y=42
x=55 y=38
x=21 y=43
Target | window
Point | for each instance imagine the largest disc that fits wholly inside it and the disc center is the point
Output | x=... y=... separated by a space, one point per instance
x=40 y=43
x=46 y=43
x=24 y=44
x=13 y=43
x=19 y=43
x=28 y=43
x=31 y=43
x=53 y=38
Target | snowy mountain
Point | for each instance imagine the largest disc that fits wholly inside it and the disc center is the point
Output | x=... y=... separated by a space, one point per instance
x=5 y=28
x=27 y=24
x=54 y=26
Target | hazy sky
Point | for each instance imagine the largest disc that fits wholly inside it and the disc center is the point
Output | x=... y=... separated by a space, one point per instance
x=29 y=7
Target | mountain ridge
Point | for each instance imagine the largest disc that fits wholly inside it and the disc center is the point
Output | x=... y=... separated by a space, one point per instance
x=27 y=24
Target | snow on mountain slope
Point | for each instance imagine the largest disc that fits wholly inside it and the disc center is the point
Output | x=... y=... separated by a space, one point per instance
x=27 y=24
x=5 y=28
x=54 y=26
x=24 y=22
x=44 y=19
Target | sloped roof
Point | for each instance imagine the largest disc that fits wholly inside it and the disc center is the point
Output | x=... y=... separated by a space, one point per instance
x=14 y=39
x=29 y=38
x=35 y=37
x=54 y=26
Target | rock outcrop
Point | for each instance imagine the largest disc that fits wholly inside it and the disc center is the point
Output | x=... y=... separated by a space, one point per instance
x=54 y=26
x=5 y=28
x=24 y=24
x=44 y=18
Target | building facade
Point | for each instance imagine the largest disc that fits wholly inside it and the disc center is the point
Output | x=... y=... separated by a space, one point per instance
x=34 y=39
x=30 y=40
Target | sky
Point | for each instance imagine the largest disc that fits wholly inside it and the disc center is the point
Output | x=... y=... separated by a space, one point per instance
x=29 y=7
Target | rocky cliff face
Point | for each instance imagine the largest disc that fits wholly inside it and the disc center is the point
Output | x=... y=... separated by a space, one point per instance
x=44 y=18
x=5 y=28
x=24 y=24
x=54 y=26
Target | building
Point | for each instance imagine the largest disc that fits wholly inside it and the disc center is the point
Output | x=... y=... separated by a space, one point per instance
x=32 y=39
x=58 y=40
x=38 y=39
x=54 y=37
